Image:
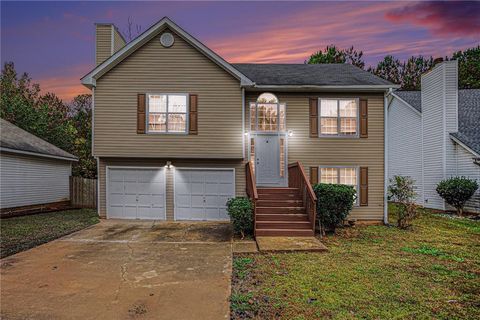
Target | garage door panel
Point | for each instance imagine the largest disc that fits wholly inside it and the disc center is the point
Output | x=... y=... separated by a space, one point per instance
x=204 y=196
x=136 y=193
x=116 y=176
x=196 y=188
x=212 y=188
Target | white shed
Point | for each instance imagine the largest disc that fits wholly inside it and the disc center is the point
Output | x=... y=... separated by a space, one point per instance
x=33 y=172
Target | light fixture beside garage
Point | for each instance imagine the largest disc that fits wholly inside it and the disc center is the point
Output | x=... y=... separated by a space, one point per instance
x=168 y=165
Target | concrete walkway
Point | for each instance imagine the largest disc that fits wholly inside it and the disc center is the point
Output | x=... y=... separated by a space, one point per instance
x=123 y=270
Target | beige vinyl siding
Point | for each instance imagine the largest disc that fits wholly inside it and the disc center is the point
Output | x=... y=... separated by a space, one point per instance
x=366 y=152
x=103 y=39
x=178 y=69
x=29 y=180
x=238 y=165
x=118 y=41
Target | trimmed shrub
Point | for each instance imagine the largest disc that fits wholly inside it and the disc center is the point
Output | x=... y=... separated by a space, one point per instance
x=240 y=210
x=401 y=191
x=457 y=191
x=334 y=203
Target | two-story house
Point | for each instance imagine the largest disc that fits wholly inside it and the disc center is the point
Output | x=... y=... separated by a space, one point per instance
x=177 y=131
x=435 y=134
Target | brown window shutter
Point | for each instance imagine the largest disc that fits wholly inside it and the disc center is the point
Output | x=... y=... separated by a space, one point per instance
x=363 y=118
x=141 y=120
x=313 y=175
x=193 y=115
x=363 y=186
x=313 y=117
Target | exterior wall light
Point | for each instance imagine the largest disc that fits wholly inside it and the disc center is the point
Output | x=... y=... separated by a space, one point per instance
x=169 y=164
x=290 y=133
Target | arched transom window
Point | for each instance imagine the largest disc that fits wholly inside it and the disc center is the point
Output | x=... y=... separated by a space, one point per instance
x=267 y=114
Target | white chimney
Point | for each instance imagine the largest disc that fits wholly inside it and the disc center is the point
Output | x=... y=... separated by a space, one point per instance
x=439 y=119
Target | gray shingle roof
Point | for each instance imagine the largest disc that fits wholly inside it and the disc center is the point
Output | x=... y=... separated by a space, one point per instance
x=468 y=114
x=12 y=137
x=413 y=98
x=309 y=74
x=469 y=118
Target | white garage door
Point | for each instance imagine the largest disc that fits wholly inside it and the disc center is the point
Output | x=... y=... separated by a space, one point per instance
x=203 y=194
x=136 y=193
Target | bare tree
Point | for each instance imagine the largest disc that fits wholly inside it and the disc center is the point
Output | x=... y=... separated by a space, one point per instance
x=133 y=29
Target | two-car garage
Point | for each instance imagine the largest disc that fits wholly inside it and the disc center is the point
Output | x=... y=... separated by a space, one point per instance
x=142 y=193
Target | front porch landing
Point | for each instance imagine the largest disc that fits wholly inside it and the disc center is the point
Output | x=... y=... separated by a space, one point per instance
x=290 y=244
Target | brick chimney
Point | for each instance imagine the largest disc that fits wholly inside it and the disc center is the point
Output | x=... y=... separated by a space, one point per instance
x=108 y=40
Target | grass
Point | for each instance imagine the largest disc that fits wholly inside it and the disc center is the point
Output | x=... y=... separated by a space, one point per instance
x=369 y=272
x=22 y=233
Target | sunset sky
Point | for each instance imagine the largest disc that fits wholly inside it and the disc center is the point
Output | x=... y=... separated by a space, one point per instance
x=54 y=41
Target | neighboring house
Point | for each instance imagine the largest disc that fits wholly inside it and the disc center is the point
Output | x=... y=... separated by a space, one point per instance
x=434 y=134
x=175 y=125
x=33 y=173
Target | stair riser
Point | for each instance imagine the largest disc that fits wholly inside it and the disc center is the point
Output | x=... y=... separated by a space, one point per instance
x=280 y=203
x=281 y=217
x=284 y=233
x=283 y=225
x=273 y=196
x=280 y=210
x=277 y=190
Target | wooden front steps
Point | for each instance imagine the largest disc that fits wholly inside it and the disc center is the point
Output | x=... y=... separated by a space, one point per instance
x=281 y=212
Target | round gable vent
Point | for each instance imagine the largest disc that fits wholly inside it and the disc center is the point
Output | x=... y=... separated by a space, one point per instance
x=166 y=39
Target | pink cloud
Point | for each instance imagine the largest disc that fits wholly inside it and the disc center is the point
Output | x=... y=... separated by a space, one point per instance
x=441 y=17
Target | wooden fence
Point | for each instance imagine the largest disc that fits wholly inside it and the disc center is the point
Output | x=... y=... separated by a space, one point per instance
x=83 y=192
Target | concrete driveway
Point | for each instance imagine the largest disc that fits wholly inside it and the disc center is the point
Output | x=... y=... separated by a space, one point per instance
x=123 y=270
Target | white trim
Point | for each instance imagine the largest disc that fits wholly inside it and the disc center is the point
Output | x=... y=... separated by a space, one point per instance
x=464 y=146
x=243 y=122
x=29 y=153
x=89 y=79
x=401 y=100
x=385 y=157
x=205 y=169
x=338 y=134
x=93 y=121
x=98 y=187
x=107 y=168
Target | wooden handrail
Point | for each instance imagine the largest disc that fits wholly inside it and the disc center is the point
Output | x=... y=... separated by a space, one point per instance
x=251 y=184
x=252 y=192
x=298 y=179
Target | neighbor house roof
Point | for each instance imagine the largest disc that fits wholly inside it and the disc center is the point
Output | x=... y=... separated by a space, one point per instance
x=413 y=98
x=469 y=119
x=321 y=75
x=468 y=114
x=16 y=140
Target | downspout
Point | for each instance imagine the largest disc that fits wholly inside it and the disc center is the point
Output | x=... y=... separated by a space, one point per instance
x=243 y=123
x=385 y=160
x=96 y=158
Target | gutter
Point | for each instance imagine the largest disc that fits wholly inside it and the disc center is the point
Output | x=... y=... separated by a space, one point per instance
x=360 y=88
x=243 y=122
x=29 y=153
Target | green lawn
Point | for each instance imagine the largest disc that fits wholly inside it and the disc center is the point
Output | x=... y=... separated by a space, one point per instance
x=374 y=272
x=22 y=233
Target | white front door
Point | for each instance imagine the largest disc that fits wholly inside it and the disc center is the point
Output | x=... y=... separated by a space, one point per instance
x=269 y=169
x=136 y=193
x=202 y=194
